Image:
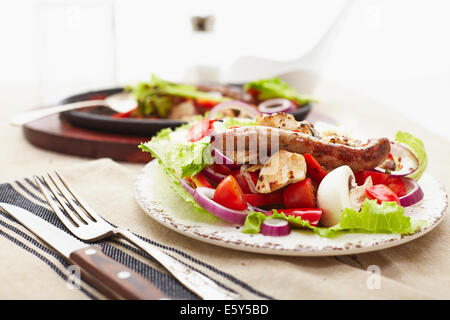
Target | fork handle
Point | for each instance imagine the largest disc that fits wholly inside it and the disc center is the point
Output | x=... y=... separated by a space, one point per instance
x=30 y=115
x=123 y=281
x=201 y=285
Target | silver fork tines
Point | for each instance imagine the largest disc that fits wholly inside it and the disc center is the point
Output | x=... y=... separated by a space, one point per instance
x=77 y=216
x=86 y=224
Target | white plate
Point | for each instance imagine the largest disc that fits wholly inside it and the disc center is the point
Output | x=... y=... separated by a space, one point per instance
x=161 y=203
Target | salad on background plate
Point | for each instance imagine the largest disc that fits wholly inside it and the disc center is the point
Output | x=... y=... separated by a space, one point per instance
x=162 y=99
x=277 y=185
x=158 y=103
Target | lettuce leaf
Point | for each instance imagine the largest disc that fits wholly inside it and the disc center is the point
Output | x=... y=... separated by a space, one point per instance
x=276 y=88
x=387 y=217
x=178 y=188
x=254 y=220
x=417 y=147
x=179 y=158
x=174 y=152
x=186 y=158
x=226 y=123
x=168 y=147
x=155 y=96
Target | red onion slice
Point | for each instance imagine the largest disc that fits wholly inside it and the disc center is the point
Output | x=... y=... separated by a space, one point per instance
x=236 y=105
x=276 y=105
x=220 y=158
x=414 y=193
x=275 y=227
x=213 y=175
x=204 y=197
x=408 y=160
x=207 y=194
x=187 y=186
x=248 y=178
x=266 y=212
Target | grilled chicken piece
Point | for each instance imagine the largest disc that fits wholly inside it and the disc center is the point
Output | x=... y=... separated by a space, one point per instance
x=183 y=111
x=245 y=156
x=285 y=121
x=282 y=169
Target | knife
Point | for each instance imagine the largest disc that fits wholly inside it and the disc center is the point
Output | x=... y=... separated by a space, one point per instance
x=107 y=275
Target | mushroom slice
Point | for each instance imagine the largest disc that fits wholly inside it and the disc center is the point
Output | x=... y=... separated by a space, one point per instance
x=337 y=191
x=358 y=194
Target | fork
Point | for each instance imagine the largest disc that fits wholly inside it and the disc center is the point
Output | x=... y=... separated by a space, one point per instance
x=83 y=222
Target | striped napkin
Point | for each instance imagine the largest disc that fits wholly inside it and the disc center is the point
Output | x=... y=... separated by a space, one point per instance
x=30 y=270
x=26 y=194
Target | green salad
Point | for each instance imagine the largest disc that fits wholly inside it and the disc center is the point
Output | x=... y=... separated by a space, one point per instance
x=304 y=190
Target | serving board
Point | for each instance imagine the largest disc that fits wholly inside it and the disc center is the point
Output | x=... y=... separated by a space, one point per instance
x=56 y=134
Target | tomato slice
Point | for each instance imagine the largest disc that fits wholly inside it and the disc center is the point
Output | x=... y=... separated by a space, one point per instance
x=205 y=103
x=397 y=185
x=377 y=177
x=296 y=104
x=243 y=182
x=312 y=215
x=300 y=195
x=381 y=193
x=253 y=92
x=315 y=170
x=200 y=181
x=124 y=114
x=222 y=169
x=229 y=194
x=200 y=129
x=263 y=199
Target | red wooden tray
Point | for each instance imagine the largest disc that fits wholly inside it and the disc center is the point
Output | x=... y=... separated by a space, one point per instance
x=54 y=133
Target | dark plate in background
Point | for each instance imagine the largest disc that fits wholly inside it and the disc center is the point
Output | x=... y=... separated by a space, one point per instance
x=99 y=118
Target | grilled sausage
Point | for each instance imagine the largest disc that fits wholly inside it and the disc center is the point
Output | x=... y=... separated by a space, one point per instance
x=265 y=141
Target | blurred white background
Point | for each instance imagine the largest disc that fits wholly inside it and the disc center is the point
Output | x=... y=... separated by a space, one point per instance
x=395 y=51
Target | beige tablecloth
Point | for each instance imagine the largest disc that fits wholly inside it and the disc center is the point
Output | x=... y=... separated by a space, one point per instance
x=415 y=270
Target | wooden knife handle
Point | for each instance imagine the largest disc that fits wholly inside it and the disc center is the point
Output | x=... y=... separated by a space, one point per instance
x=123 y=281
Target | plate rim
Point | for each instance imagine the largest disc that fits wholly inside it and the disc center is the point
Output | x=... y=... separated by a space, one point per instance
x=298 y=251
